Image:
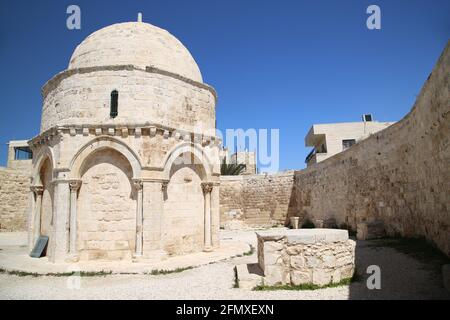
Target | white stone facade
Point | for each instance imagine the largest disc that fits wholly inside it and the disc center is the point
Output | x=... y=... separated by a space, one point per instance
x=142 y=184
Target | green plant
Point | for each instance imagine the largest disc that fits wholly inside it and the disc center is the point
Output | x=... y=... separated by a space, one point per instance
x=164 y=272
x=231 y=169
x=56 y=274
x=305 y=286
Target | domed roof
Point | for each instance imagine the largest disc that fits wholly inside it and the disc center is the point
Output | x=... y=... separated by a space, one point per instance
x=135 y=43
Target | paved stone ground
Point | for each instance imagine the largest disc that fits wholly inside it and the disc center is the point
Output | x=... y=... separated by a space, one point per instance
x=403 y=277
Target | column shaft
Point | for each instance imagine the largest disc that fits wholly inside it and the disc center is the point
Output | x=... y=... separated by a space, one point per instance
x=207 y=188
x=139 y=217
x=74 y=186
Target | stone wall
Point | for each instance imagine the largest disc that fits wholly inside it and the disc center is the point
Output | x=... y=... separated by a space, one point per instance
x=14 y=191
x=399 y=176
x=256 y=200
x=83 y=96
x=307 y=256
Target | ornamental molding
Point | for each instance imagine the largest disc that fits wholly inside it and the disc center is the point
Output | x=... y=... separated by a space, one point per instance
x=124 y=130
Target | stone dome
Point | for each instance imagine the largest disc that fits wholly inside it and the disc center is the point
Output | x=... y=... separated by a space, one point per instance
x=139 y=44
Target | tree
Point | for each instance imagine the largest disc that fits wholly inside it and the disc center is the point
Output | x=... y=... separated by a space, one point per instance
x=231 y=169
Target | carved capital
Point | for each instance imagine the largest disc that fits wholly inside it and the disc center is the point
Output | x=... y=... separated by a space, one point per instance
x=74 y=185
x=38 y=190
x=207 y=187
x=164 y=185
x=138 y=184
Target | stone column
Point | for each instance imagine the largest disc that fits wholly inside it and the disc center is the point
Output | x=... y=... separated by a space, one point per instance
x=38 y=191
x=215 y=215
x=152 y=226
x=207 y=189
x=59 y=239
x=139 y=217
x=74 y=186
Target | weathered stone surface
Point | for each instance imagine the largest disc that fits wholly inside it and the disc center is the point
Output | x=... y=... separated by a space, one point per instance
x=122 y=186
x=300 y=277
x=260 y=200
x=14 y=199
x=399 y=176
x=248 y=278
x=319 y=262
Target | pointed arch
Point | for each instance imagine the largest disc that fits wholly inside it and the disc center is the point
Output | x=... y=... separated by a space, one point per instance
x=101 y=143
x=38 y=161
x=199 y=156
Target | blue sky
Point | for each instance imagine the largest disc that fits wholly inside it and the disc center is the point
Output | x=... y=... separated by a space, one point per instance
x=275 y=64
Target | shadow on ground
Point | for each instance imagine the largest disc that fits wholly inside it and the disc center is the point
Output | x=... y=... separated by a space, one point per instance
x=410 y=269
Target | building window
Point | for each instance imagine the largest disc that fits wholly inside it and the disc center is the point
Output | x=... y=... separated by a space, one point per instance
x=114 y=104
x=322 y=149
x=22 y=153
x=347 y=143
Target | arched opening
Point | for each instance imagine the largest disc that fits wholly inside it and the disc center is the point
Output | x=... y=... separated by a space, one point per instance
x=47 y=198
x=106 y=214
x=46 y=202
x=183 y=228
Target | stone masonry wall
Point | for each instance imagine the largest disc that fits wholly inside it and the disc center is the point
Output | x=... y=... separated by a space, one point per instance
x=256 y=200
x=399 y=176
x=14 y=191
x=307 y=256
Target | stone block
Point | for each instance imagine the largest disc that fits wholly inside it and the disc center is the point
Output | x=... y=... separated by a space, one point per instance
x=321 y=277
x=336 y=276
x=298 y=262
x=248 y=278
x=273 y=275
x=328 y=259
x=301 y=277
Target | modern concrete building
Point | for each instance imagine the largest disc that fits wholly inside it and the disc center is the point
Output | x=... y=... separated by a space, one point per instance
x=330 y=139
x=19 y=155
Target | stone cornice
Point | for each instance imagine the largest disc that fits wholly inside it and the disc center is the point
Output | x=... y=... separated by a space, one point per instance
x=54 y=82
x=123 y=130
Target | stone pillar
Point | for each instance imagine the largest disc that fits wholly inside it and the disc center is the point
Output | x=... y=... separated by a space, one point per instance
x=138 y=185
x=74 y=186
x=30 y=220
x=207 y=189
x=38 y=191
x=215 y=215
x=152 y=226
x=59 y=240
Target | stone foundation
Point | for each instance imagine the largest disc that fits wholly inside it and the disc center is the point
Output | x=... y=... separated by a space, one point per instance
x=305 y=256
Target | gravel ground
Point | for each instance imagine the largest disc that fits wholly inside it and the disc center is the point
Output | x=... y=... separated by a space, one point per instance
x=403 y=277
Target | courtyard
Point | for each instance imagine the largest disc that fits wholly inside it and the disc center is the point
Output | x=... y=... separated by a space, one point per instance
x=406 y=273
